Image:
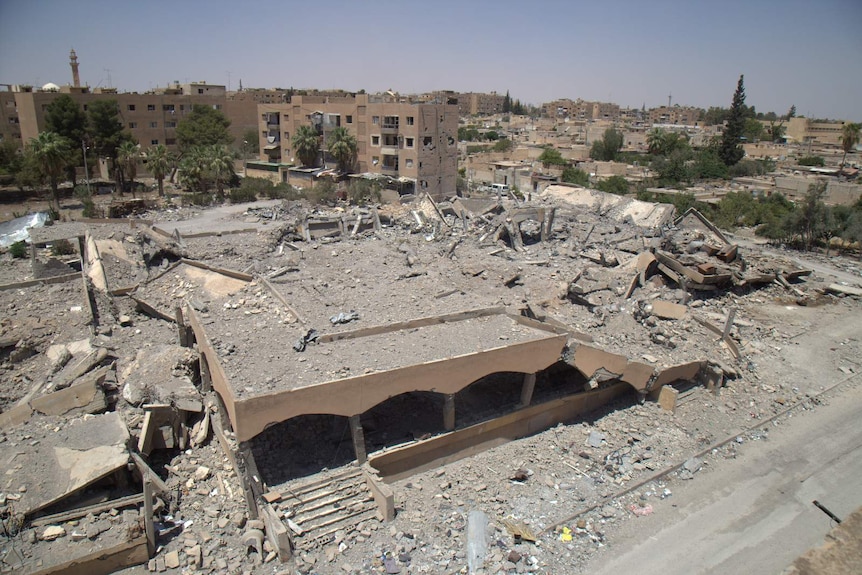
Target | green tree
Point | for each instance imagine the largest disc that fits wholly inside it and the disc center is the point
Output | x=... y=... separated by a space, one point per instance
x=731 y=151
x=306 y=144
x=503 y=145
x=707 y=165
x=204 y=126
x=573 y=175
x=753 y=130
x=608 y=148
x=160 y=162
x=194 y=170
x=551 y=156
x=65 y=116
x=250 y=144
x=468 y=134
x=614 y=185
x=106 y=133
x=507 y=103
x=849 y=139
x=50 y=154
x=128 y=157
x=662 y=143
x=219 y=165
x=811 y=161
x=10 y=158
x=343 y=147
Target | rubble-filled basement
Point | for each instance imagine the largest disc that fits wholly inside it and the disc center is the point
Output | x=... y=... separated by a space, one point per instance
x=277 y=387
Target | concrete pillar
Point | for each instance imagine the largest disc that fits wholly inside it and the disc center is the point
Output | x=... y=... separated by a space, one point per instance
x=449 y=412
x=358 y=439
x=206 y=376
x=527 y=389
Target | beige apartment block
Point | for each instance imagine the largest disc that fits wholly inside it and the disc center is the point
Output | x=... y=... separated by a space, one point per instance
x=817 y=132
x=581 y=110
x=679 y=115
x=151 y=118
x=413 y=143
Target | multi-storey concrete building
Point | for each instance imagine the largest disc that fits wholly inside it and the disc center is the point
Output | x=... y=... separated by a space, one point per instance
x=680 y=115
x=818 y=132
x=411 y=142
x=581 y=110
x=469 y=103
x=151 y=118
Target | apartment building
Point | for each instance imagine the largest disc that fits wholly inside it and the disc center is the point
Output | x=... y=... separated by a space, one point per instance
x=679 y=115
x=581 y=110
x=817 y=132
x=405 y=141
x=151 y=117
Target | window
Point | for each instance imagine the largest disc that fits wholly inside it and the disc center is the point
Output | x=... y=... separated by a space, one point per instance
x=133 y=125
x=408 y=163
x=151 y=107
x=86 y=107
x=216 y=106
x=409 y=120
x=263 y=133
x=390 y=140
x=285 y=117
x=375 y=140
x=154 y=124
x=131 y=107
x=170 y=124
x=287 y=135
x=182 y=107
x=390 y=162
x=167 y=108
x=426 y=141
x=375 y=120
x=200 y=90
x=375 y=160
x=349 y=119
x=390 y=121
x=154 y=142
x=171 y=141
x=408 y=142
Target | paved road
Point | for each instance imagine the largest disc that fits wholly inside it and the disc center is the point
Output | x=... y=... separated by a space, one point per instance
x=753 y=514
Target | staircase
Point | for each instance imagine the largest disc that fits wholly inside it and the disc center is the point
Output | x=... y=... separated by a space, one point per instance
x=325 y=505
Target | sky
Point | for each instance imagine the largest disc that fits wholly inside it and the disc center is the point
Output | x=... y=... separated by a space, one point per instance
x=634 y=53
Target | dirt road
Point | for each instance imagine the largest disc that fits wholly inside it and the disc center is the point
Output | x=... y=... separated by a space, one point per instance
x=754 y=514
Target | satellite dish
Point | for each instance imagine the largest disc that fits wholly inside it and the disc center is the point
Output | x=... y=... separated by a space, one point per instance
x=270 y=139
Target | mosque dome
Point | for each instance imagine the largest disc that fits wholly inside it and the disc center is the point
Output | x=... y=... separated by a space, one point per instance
x=50 y=87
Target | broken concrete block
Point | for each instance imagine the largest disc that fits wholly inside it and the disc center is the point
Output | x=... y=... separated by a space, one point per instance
x=75 y=369
x=595 y=439
x=667 y=398
x=52 y=532
x=172 y=560
x=668 y=310
x=160 y=374
x=59 y=355
x=85 y=396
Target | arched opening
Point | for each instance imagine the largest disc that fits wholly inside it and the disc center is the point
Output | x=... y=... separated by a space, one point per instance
x=559 y=380
x=410 y=416
x=488 y=397
x=302 y=446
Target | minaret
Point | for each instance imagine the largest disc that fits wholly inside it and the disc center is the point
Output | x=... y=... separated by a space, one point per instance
x=73 y=62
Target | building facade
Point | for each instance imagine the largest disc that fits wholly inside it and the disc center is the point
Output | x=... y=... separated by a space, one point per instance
x=680 y=115
x=581 y=110
x=818 y=132
x=401 y=140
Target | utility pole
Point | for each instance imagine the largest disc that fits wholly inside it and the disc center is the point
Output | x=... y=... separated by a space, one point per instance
x=86 y=171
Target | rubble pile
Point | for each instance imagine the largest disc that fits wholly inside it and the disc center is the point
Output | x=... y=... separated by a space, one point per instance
x=117 y=451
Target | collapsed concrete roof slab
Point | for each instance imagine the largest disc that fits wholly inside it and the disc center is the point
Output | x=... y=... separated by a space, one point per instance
x=65 y=459
x=620 y=208
x=455 y=350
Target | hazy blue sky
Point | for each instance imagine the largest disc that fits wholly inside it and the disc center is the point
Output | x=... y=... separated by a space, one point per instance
x=629 y=52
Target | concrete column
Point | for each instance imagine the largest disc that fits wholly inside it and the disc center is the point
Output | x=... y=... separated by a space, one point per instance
x=358 y=439
x=206 y=376
x=449 y=412
x=527 y=389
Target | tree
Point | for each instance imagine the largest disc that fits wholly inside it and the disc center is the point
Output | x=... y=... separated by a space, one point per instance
x=575 y=176
x=204 y=126
x=50 y=154
x=503 y=145
x=128 y=156
x=753 y=130
x=160 y=162
x=608 y=147
x=106 y=132
x=663 y=143
x=614 y=185
x=306 y=144
x=65 y=117
x=849 y=139
x=219 y=164
x=507 y=103
x=343 y=147
x=731 y=151
x=552 y=157
x=10 y=158
x=655 y=141
x=250 y=143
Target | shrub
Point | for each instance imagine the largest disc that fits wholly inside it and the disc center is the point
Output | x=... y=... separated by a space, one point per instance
x=362 y=192
x=324 y=192
x=18 y=249
x=811 y=161
x=282 y=191
x=199 y=199
x=62 y=248
x=575 y=176
x=614 y=185
x=242 y=195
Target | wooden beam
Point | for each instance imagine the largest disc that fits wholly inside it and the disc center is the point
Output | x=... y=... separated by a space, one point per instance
x=527 y=389
x=449 y=412
x=95 y=509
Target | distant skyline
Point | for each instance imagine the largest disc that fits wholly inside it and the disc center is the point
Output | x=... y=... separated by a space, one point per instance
x=634 y=53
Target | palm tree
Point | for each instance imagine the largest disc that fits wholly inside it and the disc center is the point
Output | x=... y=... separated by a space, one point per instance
x=220 y=165
x=51 y=152
x=849 y=138
x=343 y=147
x=128 y=156
x=306 y=144
x=160 y=162
x=193 y=170
x=655 y=141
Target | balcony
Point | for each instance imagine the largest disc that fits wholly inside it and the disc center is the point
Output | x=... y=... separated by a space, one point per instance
x=389 y=151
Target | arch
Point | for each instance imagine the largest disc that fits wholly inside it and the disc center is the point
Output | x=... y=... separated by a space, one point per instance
x=413 y=415
x=302 y=446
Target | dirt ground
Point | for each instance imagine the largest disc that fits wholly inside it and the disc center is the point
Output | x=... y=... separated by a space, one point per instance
x=576 y=488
